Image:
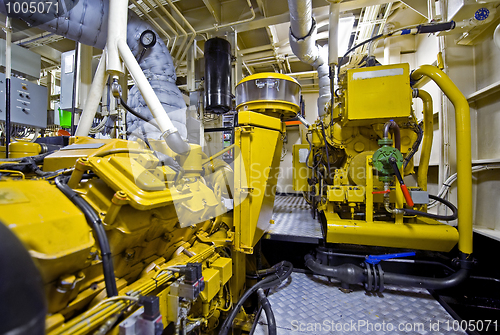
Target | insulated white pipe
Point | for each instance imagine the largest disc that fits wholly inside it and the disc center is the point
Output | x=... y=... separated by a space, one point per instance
x=333 y=37
x=94 y=98
x=303 y=43
x=117 y=30
x=169 y=132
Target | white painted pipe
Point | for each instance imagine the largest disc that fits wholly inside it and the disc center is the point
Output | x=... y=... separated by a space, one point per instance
x=333 y=38
x=94 y=98
x=117 y=30
x=169 y=131
x=496 y=36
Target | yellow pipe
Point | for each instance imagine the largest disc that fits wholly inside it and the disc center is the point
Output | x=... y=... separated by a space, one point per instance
x=463 y=147
x=425 y=157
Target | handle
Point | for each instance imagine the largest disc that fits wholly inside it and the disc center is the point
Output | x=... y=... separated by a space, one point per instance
x=434 y=28
x=406 y=193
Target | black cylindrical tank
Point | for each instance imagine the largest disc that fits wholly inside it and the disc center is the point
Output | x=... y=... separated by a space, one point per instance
x=218 y=75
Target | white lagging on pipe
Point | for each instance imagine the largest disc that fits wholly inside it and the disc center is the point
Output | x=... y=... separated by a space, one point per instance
x=303 y=33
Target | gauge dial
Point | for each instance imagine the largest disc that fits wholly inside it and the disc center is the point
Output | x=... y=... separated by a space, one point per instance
x=148 y=38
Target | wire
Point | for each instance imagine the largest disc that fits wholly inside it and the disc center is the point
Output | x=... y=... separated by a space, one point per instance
x=448 y=182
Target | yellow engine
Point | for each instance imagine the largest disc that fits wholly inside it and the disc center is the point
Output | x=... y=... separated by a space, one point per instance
x=357 y=156
x=113 y=225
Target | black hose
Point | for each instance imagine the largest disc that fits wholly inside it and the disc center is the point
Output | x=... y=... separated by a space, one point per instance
x=416 y=145
x=95 y=222
x=426 y=282
x=273 y=280
x=352 y=274
x=346 y=273
x=266 y=306
x=435 y=216
x=326 y=147
x=133 y=112
x=354 y=48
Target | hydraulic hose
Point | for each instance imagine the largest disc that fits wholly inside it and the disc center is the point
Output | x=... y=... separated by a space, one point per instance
x=134 y=113
x=435 y=216
x=95 y=222
x=273 y=280
x=266 y=306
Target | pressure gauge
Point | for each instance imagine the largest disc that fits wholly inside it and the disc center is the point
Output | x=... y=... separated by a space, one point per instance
x=148 y=38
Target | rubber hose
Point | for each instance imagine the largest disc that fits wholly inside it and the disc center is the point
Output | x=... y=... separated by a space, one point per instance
x=266 y=306
x=95 y=222
x=133 y=112
x=435 y=216
x=268 y=282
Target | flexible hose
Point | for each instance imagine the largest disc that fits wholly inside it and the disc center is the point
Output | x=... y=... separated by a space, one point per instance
x=326 y=147
x=95 y=222
x=435 y=216
x=266 y=306
x=133 y=112
x=273 y=280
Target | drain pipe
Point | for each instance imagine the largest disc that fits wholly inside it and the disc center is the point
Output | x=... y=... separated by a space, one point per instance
x=303 y=33
x=374 y=278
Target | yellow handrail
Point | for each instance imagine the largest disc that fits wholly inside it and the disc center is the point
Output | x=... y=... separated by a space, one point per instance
x=463 y=147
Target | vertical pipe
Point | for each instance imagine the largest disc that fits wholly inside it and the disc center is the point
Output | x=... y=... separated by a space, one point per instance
x=8 y=55
x=117 y=30
x=93 y=99
x=333 y=37
x=75 y=79
x=463 y=149
x=428 y=128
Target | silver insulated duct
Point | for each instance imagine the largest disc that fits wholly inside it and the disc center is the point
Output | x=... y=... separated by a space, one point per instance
x=303 y=43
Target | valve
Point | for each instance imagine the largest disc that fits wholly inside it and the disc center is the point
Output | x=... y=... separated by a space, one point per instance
x=406 y=193
x=375 y=259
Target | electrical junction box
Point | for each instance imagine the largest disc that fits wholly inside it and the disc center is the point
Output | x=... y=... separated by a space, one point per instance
x=377 y=94
x=300 y=170
x=28 y=102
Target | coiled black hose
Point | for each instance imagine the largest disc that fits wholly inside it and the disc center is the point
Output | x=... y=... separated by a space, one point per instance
x=435 y=216
x=271 y=281
x=95 y=222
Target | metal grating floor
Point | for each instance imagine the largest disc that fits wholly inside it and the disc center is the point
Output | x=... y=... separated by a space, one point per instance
x=293 y=221
x=310 y=304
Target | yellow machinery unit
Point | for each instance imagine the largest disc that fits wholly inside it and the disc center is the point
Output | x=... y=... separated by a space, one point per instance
x=110 y=223
x=359 y=153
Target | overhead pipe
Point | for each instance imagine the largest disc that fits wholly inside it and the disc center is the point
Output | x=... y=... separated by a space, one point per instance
x=193 y=31
x=496 y=36
x=303 y=32
x=250 y=6
x=153 y=9
x=167 y=13
x=154 y=23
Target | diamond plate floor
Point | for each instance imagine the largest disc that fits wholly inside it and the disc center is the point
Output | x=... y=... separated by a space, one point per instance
x=293 y=221
x=308 y=304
